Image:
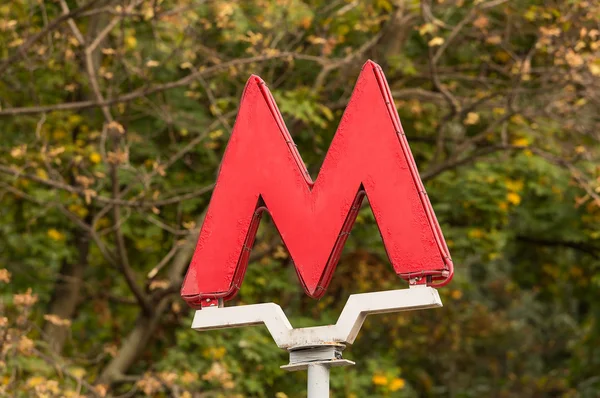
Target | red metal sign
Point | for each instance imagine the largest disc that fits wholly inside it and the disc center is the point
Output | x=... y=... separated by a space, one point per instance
x=263 y=171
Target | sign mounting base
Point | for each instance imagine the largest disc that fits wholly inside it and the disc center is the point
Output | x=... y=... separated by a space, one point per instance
x=317 y=348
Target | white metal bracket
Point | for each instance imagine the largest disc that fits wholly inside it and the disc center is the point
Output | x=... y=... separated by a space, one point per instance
x=319 y=348
x=344 y=331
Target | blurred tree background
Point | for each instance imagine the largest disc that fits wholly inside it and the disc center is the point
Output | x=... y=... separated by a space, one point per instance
x=114 y=115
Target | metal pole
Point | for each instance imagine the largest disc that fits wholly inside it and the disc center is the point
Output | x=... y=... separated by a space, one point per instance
x=318 y=381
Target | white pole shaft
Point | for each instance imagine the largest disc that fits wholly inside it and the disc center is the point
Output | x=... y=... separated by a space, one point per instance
x=318 y=381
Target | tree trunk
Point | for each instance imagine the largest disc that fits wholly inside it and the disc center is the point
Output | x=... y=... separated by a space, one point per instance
x=67 y=290
x=145 y=325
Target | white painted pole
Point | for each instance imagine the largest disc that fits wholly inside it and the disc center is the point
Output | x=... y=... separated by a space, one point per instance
x=318 y=381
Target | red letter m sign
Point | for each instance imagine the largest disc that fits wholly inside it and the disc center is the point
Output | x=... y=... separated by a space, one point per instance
x=262 y=170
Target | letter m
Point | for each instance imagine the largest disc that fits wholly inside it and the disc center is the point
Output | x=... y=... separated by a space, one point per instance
x=262 y=170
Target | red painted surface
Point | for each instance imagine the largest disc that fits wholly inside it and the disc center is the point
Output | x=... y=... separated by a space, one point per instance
x=262 y=170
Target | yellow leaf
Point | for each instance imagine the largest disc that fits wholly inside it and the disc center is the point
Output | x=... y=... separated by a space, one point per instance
x=148 y=13
x=513 y=198
x=594 y=69
x=59 y=134
x=41 y=173
x=131 y=42
x=15 y=43
x=78 y=372
x=35 y=381
x=215 y=134
x=327 y=112
x=514 y=185
x=517 y=119
x=520 y=141
x=55 y=235
x=530 y=14
x=280 y=253
x=186 y=65
x=385 y=4
x=472 y=118
x=397 y=384
x=152 y=63
x=456 y=294
x=95 y=157
x=79 y=210
x=476 y=233
x=502 y=56
x=189 y=224
x=427 y=28
x=436 y=41
x=379 y=380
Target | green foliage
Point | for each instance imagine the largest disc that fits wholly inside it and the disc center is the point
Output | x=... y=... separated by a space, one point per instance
x=100 y=205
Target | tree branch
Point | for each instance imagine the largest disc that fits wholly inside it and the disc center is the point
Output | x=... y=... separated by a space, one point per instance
x=20 y=52
x=582 y=247
x=144 y=91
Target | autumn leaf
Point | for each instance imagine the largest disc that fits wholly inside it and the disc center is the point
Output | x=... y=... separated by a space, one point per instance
x=481 y=22
x=436 y=41
x=397 y=384
x=18 y=152
x=472 y=118
x=115 y=126
x=56 y=235
x=520 y=141
x=149 y=384
x=4 y=275
x=494 y=39
x=476 y=233
x=26 y=299
x=159 y=284
x=56 y=320
x=78 y=372
x=379 y=380
x=131 y=42
x=25 y=345
x=427 y=28
x=594 y=69
x=513 y=198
